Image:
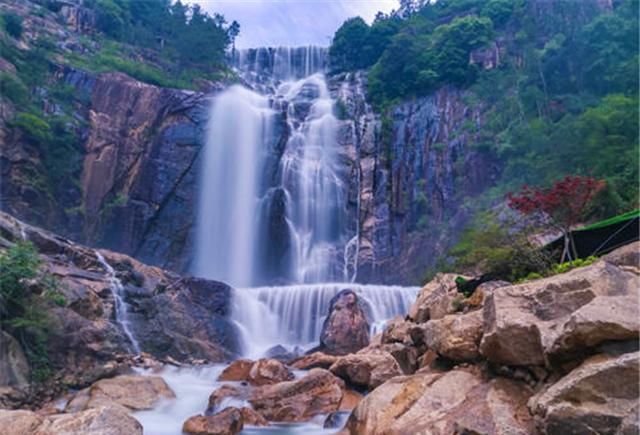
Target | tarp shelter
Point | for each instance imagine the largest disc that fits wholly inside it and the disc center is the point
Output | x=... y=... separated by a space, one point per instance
x=604 y=236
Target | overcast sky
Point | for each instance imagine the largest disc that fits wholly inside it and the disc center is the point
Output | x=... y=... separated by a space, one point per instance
x=292 y=22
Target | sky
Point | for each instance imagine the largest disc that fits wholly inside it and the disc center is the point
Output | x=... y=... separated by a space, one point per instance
x=292 y=22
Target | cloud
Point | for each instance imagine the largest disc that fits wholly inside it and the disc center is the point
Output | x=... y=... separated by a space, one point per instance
x=292 y=22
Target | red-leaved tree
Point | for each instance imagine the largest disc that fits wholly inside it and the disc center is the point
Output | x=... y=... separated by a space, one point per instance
x=563 y=205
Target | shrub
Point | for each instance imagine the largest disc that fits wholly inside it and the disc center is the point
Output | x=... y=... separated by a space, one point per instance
x=23 y=306
x=12 y=88
x=35 y=128
x=13 y=24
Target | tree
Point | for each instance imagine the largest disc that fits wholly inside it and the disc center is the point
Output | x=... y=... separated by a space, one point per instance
x=13 y=25
x=562 y=205
x=346 y=51
x=233 y=31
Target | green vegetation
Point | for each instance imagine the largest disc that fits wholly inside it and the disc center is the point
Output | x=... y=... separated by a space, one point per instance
x=25 y=294
x=13 y=25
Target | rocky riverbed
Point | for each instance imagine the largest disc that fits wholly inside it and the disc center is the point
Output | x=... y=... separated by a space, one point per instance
x=557 y=355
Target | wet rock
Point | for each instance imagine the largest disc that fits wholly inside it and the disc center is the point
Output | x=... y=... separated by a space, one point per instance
x=314 y=360
x=238 y=370
x=252 y=418
x=226 y=393
x=319 y=392
x=99 y=421
x=455 y=336
x=548 y=321
x=131 y=392
x=268 y=371
x=367 y=370
x=599 y=396
x=14 y=367
x=350 y=399
x=435 y=299
x=282 y=354
x=346 y=328
x=227 y=422
x=458 y=401
x=335 y=420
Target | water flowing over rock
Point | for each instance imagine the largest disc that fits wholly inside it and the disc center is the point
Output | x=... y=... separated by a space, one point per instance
x=227 y=422
x=345 y=329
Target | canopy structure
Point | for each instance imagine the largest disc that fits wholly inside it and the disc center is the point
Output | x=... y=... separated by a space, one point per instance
x=604 y=236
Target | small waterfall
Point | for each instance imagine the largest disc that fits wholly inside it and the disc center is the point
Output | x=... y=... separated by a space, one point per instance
x=292 y=316
x=117 y=290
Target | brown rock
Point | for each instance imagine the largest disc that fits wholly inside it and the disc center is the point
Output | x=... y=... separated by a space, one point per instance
x=454 y=402
x=269 y=371
x=627 y=257
x=238 y=370
x=226 y=392
x=350 y=400
x=403 y=331
x=252 y=418
x=19 y=422
x=314 y=360
x=131 y=392
x=456 y=336
x=319 y=392
x=476 y=300
x=435 y=299
x=556 y=318
x=110 y=420
x=227 y=422
x=597 y=397
x=366 y=370
x=346 y=328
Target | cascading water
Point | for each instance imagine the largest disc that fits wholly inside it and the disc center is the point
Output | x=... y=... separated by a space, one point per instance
x=121 y=310
x=273 y=204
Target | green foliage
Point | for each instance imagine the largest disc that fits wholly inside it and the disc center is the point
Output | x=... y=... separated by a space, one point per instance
x=569 y=265
x=35 y=128
x=24 y=295
x=13 y=24
x=11 y=87
x=487 y=247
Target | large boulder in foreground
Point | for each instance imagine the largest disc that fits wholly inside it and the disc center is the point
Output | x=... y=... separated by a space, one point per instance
x=134 y=393
x=345 y=330
x=97 y=421
x=561 y=318
x=319 y=392
x=367 y=368
x=459 y=401
x=600 y=396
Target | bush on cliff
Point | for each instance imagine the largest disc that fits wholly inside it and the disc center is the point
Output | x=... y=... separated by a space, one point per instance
x=25 y=294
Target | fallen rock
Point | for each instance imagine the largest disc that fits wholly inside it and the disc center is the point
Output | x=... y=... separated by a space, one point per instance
x=319 y=392
x=456 y=337
x=227 y=422
x=268 y=371
x=110 y=420
x=345 y=329
x=551 y=319
x=131 y=392
x=14 y=367
x=314 y=360
x=458 y=401
x=238 y=370
x=435 y=299
x=599 y=396
x=368 y=369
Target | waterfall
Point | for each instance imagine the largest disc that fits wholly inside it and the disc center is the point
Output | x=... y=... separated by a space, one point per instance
x=121 y=309
x=273 y=204
x=292 y=316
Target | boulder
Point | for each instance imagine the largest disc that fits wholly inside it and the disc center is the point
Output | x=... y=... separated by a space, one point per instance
x=455 y=336
x=403 y=331
x=14 y=367
x=345 y=329
x=269 y=371
x=367 y=370
x=319 y=392
x=599 y=396
x=314 y=360
x=252 y=418
x=102 y=420
x=435 y=299
x=19 y=422
x=227 y=422
x=626 y=257
x=238 y=370
x=134 y=393
x=476 y=300
x=458 y=401
x=226 y=395
x=546 y=321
